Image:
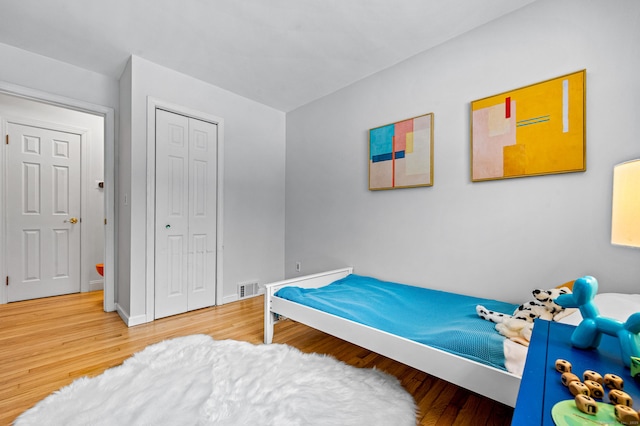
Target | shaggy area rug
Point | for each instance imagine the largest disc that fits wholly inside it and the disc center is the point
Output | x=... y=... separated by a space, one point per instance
x=196 y=380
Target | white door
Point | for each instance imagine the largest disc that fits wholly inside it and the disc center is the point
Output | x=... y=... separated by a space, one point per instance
x=185 y=222
x=43 y=212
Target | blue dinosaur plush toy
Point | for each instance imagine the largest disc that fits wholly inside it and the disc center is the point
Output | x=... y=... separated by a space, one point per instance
x=589 y=332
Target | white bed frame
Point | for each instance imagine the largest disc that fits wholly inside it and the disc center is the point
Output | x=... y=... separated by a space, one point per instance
x=491 y=382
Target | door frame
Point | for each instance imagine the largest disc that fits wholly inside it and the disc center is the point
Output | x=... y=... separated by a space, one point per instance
x=152 y=105
x=109 y=182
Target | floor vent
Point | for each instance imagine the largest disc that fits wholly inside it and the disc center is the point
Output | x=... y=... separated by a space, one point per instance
x=248 y=290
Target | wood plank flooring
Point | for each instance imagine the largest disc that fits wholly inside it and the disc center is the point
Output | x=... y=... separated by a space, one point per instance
x=47 y=343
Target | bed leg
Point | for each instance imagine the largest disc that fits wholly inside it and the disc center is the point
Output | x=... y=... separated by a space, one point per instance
x=268 y=329
x=268 y=319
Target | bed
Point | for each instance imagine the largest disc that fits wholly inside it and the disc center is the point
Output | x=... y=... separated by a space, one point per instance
x=478 y=375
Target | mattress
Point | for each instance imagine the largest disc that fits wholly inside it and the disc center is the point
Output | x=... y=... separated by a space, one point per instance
x=443 y=320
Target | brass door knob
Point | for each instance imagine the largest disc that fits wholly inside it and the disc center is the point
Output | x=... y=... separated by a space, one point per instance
x=72 y=220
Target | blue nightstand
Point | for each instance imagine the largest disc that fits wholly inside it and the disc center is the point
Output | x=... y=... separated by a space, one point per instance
x=541 y=388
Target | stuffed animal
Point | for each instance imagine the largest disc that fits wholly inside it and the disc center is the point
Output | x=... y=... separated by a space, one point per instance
x=516 y=329
x=519 y=325
x=542 y=306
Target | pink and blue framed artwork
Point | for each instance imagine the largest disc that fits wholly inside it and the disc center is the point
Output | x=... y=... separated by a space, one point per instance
x=401 y=154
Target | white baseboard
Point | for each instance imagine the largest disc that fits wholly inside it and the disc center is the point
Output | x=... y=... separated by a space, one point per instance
x=229 y=299
x=129 y=320
x=235 y=298
x=96 y=285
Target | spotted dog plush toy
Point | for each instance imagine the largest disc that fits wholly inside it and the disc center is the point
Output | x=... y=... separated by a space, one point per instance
x=518 y=326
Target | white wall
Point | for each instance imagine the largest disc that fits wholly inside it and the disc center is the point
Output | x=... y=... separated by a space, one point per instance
x=12 y=107
x=254 y=163
x=55 y=77
x=123 y=177
x=253 y=185
x=498 y=238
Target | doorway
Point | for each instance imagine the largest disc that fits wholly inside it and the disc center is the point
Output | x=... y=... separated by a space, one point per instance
x=39 y=110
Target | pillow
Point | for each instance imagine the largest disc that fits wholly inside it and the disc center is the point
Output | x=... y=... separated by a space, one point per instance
x=611 y=305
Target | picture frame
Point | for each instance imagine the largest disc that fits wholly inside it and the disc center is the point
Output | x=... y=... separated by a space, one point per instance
x=534 y=130
x=401 y=154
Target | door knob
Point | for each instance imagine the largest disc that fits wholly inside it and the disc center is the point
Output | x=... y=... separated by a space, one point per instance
x=72 y=220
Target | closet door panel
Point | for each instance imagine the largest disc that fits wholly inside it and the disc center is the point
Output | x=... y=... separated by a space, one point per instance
x=203 y=141
x=172 y=214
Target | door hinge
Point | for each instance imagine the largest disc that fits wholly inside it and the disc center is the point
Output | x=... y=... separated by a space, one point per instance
x=7 y=142
x=7 y=280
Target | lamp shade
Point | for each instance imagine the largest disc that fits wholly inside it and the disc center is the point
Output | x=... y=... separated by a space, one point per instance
x=625 y=214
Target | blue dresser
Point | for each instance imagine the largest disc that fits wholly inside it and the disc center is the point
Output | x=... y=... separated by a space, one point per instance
x=541 y=387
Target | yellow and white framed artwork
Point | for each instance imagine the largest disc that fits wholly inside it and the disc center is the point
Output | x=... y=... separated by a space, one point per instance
x=535 y=130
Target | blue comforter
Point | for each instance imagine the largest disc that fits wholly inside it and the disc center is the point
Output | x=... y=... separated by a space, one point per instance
x=443 y=320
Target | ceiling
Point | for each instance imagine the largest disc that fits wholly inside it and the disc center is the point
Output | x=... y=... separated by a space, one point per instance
x=282 y=53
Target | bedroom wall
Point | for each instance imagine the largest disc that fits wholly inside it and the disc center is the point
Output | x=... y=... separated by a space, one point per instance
x=253 y=183
x=55 y=77
x=497 y=238
x=254 y=163
x=123 y=173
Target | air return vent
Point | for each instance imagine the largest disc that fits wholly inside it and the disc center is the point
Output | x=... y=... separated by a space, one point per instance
x=248 y=289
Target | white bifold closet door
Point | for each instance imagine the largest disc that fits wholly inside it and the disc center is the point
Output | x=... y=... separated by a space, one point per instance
x=185 y=222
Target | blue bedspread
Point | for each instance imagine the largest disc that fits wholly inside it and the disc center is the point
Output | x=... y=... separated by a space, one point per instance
x=443 y=320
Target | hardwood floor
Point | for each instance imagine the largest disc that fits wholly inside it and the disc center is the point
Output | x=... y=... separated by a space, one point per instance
x=47 y=343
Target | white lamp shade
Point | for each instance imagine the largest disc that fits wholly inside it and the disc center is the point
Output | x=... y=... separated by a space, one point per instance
x=625 y=215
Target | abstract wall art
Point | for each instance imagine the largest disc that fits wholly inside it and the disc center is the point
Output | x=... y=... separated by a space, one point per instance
x=535 y=130
x=401 y=154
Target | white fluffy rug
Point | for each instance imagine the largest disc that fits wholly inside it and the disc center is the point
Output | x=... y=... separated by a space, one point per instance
x=196 y=380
